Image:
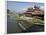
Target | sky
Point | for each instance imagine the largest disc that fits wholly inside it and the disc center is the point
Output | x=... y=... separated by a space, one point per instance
x=21 y=7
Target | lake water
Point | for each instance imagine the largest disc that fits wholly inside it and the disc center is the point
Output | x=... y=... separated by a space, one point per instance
x=13 y=26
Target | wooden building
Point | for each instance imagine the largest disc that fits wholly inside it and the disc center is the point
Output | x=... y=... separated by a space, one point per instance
x=34 y=12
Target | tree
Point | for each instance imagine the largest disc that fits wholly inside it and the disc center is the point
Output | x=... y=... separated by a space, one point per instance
x=8 y=10
x=30 y=8
x=36 y=7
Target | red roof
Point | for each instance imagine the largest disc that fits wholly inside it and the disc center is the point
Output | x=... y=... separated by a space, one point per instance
x=28 y=13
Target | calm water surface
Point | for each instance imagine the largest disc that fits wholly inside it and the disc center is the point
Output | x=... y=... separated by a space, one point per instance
x=13 y=26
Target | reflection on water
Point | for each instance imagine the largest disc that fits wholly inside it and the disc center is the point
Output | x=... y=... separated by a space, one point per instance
x=14 y=27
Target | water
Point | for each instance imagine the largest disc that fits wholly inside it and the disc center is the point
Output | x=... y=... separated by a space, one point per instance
x=13 y=26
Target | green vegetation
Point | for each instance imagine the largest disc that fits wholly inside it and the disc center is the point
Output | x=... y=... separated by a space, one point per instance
x=23 y=18
x=33 y=20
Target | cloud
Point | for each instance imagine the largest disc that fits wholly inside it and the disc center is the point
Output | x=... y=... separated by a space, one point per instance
x=42 y=7
x=21 y=10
